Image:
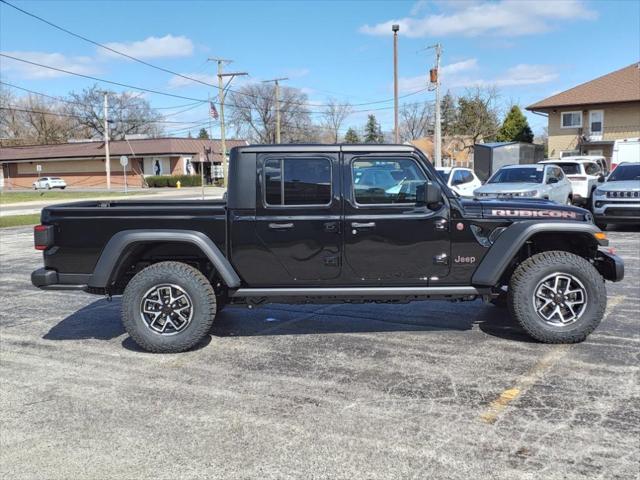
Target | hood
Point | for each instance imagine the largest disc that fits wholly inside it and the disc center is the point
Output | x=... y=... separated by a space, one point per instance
x=622 y=185
x=508 y=187
x=527 y=209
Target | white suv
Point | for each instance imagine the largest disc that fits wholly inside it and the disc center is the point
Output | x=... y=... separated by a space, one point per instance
x=463 y=181
x=584 y=173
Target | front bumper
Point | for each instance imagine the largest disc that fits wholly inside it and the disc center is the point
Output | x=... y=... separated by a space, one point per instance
x=610 y=266
x=616 y=210
x=47 y=279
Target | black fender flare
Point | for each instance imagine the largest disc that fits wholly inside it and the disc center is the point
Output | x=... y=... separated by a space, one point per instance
x=511 y=240
x=112 y=253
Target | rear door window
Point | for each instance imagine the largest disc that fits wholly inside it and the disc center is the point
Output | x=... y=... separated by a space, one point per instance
x=297 y=181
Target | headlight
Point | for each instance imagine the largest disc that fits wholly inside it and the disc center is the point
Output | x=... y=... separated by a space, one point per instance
x=530 y=193
x=598 y=191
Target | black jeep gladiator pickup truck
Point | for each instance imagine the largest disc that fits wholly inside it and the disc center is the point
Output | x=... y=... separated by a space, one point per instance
x=328 y=223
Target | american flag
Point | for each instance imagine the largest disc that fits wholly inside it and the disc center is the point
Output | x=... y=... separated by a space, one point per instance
x=212 y=111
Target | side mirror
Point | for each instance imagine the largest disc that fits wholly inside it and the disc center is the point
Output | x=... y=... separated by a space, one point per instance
x=428 y=193
x=552 y=180
x=601 y=179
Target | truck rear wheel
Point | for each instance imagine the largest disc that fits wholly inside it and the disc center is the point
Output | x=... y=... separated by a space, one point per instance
x=557 y=297
x=168 y=307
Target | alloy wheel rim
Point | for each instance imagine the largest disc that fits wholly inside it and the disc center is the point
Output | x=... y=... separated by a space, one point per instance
x=560 y=299
x=166 y=309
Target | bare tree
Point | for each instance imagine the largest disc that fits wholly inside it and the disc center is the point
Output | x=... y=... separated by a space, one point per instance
x=478 y=113
x=334 y=116
x=128 y=114
x=253 y=114
x=415 y=120
x=32 y=120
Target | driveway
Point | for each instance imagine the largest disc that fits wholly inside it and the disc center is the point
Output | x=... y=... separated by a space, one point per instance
x=424 y=390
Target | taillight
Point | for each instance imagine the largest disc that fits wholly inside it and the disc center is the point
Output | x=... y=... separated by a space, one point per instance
x=613 y=167
x=43 y=236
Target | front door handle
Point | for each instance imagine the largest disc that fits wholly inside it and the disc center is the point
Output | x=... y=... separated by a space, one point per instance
x=280 y=226
x=363 y=225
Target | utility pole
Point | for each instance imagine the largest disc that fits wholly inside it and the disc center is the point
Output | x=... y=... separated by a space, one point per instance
x=107 y=158
x=221 y=95
x=434 y=75
x=277 y=95
x=396 y=132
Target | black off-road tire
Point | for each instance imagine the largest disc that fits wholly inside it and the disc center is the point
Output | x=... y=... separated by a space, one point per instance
x=522 y=289
x=191 y=281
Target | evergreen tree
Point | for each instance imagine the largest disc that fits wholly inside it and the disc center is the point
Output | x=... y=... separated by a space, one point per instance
x=351 y=136
x=203 y=134
x=515 y=127
x=448 y=114
x=373 y=133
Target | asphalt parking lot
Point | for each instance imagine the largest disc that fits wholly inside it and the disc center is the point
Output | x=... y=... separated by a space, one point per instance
x=425 y=390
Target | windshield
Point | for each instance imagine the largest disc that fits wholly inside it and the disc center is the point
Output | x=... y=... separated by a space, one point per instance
x=570 y=168
x=518 y=175
x=444 y=175
x=625 y=172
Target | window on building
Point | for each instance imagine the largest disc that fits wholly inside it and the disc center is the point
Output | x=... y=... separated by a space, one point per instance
x=571 y=120
x=386 y=181
x=306 y=181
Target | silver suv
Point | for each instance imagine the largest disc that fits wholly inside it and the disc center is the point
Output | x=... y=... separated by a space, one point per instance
x=528 y=181
x=618 y=199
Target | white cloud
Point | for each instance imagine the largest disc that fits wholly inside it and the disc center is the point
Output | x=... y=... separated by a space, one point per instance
x=506 y=18
x=153 y=47
x=297 y=72
x=77 y=64
x=179 y=82
x=522 y=74
x=457 y=75
x=411 y=84
x=462 y=66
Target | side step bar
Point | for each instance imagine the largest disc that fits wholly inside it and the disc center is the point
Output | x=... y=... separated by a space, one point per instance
x=356 y=292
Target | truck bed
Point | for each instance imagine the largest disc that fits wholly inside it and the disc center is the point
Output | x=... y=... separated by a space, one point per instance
x=78 y=241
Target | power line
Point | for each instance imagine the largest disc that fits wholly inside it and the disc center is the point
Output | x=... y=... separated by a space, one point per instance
x=120 y=84
x=59 y=114
x=60 y=99
x=166 y=70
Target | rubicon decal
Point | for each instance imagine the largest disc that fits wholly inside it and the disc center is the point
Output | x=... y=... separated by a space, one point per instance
x=535 y=214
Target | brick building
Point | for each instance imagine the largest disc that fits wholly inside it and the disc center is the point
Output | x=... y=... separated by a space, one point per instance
x=82 y=164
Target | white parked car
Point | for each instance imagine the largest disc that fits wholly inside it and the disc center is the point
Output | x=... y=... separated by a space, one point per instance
x=49 y=183
x=584 y=173
x=528 y=181
x=461 y=180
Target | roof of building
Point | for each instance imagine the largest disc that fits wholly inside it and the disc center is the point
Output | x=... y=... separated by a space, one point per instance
x=140 y=147
x=616 y=87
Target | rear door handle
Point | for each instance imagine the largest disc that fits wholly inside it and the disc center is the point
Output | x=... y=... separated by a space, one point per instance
x=363 y=225
x=280 y=226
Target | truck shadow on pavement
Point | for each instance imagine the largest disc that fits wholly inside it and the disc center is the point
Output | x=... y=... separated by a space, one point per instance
x=101 y=320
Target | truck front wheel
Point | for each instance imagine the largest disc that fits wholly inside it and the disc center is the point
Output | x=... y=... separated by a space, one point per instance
x=168 y=307
x=557 y=297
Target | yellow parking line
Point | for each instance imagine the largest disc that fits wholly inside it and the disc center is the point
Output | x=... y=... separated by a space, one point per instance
x=490 y=415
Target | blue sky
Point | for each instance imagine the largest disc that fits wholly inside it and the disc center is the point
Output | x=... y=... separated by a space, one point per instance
x=341 y=49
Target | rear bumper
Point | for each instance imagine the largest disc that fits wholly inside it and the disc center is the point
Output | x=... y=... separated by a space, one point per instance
x=47 y=279
x=610 y=266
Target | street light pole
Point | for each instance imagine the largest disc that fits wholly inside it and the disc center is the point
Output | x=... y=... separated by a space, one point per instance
x=277 y=101
x=107 y=157
x=221 y=95
x=396 y=132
